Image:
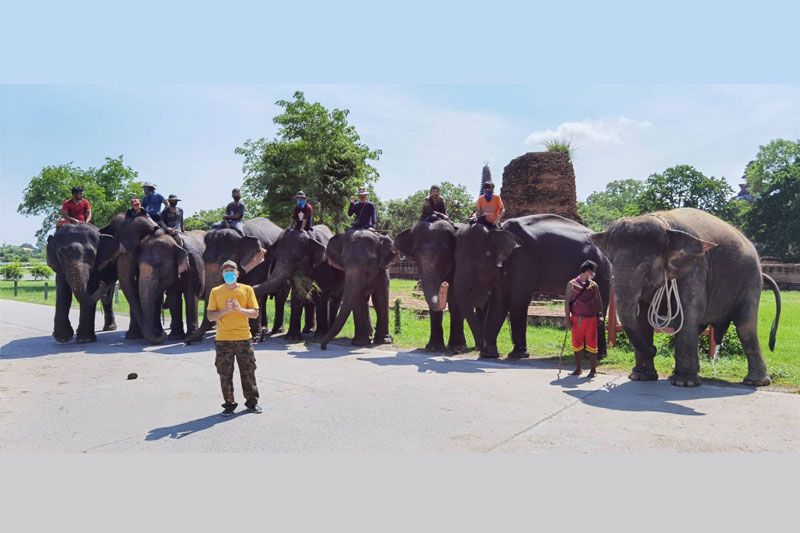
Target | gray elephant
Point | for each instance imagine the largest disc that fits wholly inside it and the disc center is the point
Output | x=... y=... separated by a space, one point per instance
x=432 y=247
x=718 y=277
x=165 y=266
x=83 y=260
x=300 y=251
x=551 y=250
x=365 y=257
x=249 y=251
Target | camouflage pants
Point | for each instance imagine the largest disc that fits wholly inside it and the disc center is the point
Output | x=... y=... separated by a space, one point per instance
x=242 y=351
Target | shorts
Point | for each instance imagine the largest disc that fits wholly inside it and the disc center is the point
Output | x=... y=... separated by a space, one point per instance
x=584 y=333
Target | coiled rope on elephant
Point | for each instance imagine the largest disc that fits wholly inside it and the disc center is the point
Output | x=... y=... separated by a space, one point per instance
x=668 y=291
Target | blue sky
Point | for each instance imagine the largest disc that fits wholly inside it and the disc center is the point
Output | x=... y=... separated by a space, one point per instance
x=182 y=137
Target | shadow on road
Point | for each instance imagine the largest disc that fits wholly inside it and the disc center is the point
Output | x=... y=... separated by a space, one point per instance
x=426 y=361
x=187 y=428
x=652 y=396
x=108 y=342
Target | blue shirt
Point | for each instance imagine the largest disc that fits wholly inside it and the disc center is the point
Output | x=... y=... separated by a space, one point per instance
x=153 y=203
x=365 y=214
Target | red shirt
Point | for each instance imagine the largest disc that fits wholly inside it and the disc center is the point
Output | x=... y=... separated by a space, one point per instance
x=77 y=210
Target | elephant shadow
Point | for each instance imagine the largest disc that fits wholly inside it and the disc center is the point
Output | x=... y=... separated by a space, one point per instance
x=185 y=429
x=108 y=343
x=651 y=396
x=444 y=363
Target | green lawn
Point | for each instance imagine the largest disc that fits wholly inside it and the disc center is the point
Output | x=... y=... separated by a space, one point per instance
x=546 y=342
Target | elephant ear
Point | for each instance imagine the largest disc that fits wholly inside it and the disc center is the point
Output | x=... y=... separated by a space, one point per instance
x=503 y=244
x=388 y=254
x=182 y=260
x=52 y=260
x=404 y=243
x=317 y=252
x=251 y=254
x=601 y=241
x=333 y=253
x=683 y=249
x=107 y=251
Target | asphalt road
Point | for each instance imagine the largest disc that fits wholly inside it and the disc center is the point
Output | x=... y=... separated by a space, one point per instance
x=77 y=398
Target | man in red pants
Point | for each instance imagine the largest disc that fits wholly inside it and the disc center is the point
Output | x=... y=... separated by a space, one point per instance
x=582 y=306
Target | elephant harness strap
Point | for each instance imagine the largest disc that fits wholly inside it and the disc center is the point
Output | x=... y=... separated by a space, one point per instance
x=654 y=317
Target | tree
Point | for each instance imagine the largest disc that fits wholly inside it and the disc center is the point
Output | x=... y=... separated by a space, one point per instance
x=203 y=219
x=108 y=188
x=317 y=151
x=621 y=198
x=773 y=220
x=12 y=271
x=685 y=186
x=40 y=271
x=401 y=214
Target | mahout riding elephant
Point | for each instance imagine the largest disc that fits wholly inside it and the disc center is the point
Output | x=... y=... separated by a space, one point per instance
x=83 y=260
x=364 y=256
x=718 y=277
x=129 y=233
x=249 y=251
x=551 y=250
x=177 y=269
x=432 y=247
x=300 y=251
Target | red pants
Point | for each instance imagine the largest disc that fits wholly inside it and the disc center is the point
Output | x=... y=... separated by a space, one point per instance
x=584 y=333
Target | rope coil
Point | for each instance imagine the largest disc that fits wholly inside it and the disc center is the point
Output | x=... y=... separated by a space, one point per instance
x=668 y=290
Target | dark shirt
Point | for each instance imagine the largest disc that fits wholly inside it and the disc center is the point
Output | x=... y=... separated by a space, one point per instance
x=308 y=215
x=236 y=210
x=131 y=213
x=152 y=203
x=589 y=303
x=172 y=219
x=365 y=214
x=429 y=207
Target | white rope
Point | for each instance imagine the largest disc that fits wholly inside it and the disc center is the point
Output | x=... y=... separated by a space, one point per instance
x=656 y=319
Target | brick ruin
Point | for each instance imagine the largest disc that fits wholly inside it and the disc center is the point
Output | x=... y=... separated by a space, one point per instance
x=540 y=182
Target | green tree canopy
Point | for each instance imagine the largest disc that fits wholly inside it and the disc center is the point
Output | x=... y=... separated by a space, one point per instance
x=621 y=198
x=773 y=220
x=108 y=188
x=317 y=151
x=685 y=186
x=400 y=214
x=204 y=218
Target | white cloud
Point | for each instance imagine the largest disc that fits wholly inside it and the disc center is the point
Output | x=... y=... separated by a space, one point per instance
x=591 y=132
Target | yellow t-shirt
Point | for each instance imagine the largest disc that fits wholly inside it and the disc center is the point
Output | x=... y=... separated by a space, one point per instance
x=233 y=326
x=491 y=209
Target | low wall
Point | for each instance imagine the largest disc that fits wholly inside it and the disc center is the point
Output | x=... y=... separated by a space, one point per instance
x=786 y=275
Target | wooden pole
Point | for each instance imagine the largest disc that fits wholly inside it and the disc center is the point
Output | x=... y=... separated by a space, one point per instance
x=397 y=316
x=15 y=288
x=45 y=290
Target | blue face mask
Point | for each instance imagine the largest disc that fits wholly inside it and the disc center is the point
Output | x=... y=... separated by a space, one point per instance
x=229 y=277
x=301 y=203
x=487 y=195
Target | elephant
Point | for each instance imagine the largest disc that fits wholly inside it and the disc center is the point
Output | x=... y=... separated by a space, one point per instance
x=432 y=245
x=83 y=260
x=304 y=252
x=550 y=251
x=165 y=266
x=249 y=251
x=365 y=256
x=718 y=277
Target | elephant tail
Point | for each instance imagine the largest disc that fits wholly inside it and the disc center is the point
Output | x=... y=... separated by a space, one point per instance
x=777 y=292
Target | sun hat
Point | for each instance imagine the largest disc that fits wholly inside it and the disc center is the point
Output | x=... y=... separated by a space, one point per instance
x=230 y=263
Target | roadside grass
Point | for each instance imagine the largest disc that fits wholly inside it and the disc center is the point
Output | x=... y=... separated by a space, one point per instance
x=545 y=343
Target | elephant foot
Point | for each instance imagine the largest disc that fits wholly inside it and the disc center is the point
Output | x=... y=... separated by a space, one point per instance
x=639 y=374
x=276 y=331
x=62 y=337
x=131 y=335
x=176 y=335
x=385 y=339
x=360 y=341
x=195 y=336
x=519 y=353
x=83 y=339
x=307 y=331
x=685 y=380
x=319 y=334
x=459 y=348
x=757 y=380
x=489 y=353
x=435 y=347
x=323 y=346
x=293 y=336
x=110 y=327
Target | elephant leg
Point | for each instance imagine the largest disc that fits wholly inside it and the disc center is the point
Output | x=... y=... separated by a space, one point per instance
x=350 y=301
x=109 y=320
x=362 y=323
x=380 y=300
x=296 y=307
x=280 y=311
x=495 y=316
x=85 y=331
x=309 y=307
x=641 y=336
x=518 y=308
x=127 y=269
x=191 y=299
x=321 y=306
x=473 y=320
x=457 y=342
x=747 y=331
x=175 y=300
x=687 y=363
x=62 y=329
x=436 y=339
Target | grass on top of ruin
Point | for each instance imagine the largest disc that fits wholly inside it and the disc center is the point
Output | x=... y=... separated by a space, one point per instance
x=544 y=343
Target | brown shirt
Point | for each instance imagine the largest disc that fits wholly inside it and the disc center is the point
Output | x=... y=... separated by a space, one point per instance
x=589 y=303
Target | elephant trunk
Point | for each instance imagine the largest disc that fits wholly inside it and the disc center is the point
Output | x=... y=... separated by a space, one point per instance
x=354 y=287
x=150 y=296
x=78 y=275
x=275 y=282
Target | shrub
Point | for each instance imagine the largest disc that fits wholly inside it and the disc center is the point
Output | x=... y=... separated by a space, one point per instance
x=560 y=144
x=12 y=271
x=40 y=271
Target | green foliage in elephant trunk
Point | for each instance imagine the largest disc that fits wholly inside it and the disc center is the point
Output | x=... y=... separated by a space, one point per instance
x=304 y=286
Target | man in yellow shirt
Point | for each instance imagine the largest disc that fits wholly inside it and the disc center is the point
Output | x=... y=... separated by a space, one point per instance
x=231 y=306
x=489 y=207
